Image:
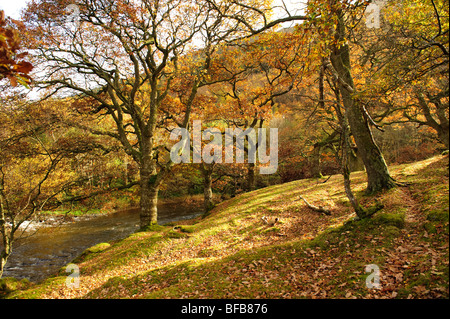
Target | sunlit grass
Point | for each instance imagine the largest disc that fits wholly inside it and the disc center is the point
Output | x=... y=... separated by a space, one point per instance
x=232 y=254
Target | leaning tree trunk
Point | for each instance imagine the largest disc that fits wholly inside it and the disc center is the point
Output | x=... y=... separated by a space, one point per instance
x=443 y=136
x=378 y=176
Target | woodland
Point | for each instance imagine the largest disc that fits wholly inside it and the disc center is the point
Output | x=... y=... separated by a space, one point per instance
x=91 y=91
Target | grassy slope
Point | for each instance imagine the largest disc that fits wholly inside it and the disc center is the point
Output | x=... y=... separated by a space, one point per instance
x=231 y=254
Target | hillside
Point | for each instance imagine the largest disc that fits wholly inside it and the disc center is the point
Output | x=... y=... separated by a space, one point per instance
x=232 y=254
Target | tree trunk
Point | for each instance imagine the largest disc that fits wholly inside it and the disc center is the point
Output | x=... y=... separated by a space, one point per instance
x=346 y=172
x=355 y=163
x=443 y=136
x=207 y=170
x=441 y=127
x=149 y=184
x=316 y=170
x=5 y=253
x=378 y=176
x=377 y=171
x=251 y=177
x=148 y=202
x=345 y=161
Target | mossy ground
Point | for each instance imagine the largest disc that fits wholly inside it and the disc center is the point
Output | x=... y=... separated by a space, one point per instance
x=9 y=285
x=232 y=254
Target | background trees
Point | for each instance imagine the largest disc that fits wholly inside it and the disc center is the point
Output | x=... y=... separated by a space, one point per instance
x=131 y=54
x=130 y=72
x=28 y=170
x=408 y=60
x=17 y=198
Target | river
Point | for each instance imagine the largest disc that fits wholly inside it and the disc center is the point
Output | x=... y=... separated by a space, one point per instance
x=42 y=254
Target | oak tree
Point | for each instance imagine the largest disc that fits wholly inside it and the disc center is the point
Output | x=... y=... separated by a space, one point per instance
x=130 y=57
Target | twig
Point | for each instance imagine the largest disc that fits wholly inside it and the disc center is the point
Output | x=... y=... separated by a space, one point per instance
x=319 y=209
x=324 y=181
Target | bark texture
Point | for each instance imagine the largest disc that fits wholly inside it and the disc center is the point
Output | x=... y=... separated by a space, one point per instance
x=377 y=171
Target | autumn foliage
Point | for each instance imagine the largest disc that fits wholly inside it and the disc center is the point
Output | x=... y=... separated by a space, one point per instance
x=12 y=64
x=343 y=97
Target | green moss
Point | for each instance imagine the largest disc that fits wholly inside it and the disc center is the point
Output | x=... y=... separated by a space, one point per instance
x=175 y=234
x=9 y=285
x=234 y=222
x=170 y=224
x=395 y=219
x=271 y=230
x=35 y=291
x=154 y=227
x=88 y=253
x=438 y=216
x=98 y=248
x=358 y=232
x=187 y=229
x=430 y=228
x=208 y=252
x=391 y=231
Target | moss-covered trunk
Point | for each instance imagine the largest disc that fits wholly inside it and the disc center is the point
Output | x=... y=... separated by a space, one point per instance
x=149 y=184
x=377 y=171
x=4 y=255
x=148 y=203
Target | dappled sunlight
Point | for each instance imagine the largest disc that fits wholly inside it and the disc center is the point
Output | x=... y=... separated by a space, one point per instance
x=231 y=252
x=414 y=168
x=224 y=149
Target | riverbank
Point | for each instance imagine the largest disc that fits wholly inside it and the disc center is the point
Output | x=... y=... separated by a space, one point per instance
x=61 y=217
x=232 y=254
x=39 y=253
x=54 y=219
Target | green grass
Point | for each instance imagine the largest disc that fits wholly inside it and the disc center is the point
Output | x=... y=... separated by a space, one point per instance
x=232 y=254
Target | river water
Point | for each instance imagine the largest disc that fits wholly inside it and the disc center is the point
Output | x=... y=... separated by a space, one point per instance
x=42 y=254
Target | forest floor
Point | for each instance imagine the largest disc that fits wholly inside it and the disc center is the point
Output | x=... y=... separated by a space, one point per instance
x=231 y=253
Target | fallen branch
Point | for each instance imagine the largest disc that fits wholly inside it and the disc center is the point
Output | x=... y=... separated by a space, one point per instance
x=324 y=181
x=319 y=209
